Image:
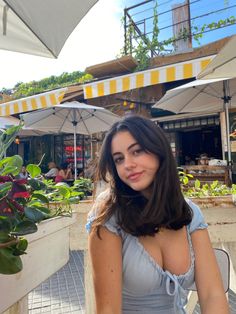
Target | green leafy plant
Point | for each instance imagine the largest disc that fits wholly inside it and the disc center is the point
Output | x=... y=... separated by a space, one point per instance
x=184 y=177
x=198 y=189
x=24 y=203
x=203 y=190
x=84 y=186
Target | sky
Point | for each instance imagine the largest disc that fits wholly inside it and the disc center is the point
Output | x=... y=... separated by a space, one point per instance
x=97 y=38
x=92 y=42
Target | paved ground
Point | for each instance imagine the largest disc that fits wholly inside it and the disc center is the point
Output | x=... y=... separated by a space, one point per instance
x=63 y=292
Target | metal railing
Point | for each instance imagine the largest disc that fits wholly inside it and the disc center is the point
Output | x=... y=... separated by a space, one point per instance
x=180 y=26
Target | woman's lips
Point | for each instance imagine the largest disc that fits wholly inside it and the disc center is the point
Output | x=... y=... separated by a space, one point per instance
x=135 y=176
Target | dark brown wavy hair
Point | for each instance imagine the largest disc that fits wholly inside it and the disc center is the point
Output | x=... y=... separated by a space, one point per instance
x=135 y=214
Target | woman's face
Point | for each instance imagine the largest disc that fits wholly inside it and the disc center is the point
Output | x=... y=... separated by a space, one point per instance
x=135 y=167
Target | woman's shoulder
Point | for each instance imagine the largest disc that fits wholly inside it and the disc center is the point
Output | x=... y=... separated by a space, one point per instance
x=99 y=201
x=111 y=223
x=198 y=221
x=96 y=208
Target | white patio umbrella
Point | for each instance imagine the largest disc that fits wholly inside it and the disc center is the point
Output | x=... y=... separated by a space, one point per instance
x=39 y=27
x=71 y=117
x=6 y=122
x=200 y=96
x=223 y=65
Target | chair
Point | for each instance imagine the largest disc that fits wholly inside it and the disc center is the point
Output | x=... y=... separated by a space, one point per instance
x=222 y=258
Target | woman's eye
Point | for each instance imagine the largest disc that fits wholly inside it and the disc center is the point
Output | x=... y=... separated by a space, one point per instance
x=118 y=160
x=138 y=151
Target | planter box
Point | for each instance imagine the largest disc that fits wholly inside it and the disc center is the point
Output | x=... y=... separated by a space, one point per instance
x=78 y=233
x=79 y=241
x=48 y=251
x=214 y=201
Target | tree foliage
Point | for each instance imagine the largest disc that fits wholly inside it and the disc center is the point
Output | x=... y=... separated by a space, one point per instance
x=35 y=87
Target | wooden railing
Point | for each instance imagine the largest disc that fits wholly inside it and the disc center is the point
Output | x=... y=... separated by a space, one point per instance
x=208 y=174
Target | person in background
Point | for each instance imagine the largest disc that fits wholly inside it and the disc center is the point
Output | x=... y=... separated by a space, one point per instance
x=64 y=173
x=90 y=169
x=53 y=171
x=23 y=174
x=189 y=161
x=146 y=242
x=203 y=160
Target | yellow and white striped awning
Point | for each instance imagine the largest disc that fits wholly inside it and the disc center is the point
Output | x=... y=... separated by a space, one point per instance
x=169 y=73
x=34 y=102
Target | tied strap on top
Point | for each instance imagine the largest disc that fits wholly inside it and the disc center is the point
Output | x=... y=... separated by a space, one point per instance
x=180 y=297
x=90 y=220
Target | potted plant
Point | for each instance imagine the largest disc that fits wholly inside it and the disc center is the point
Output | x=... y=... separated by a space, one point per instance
x=207 y=194
x=34 y=236
x=84 y=186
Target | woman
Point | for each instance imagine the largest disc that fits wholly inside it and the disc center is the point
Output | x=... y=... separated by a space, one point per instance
x=23 y=174
x=53 y=171
x=64 y=173
x=147 y=243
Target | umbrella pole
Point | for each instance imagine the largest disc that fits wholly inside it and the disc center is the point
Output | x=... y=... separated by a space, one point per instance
x=227 y=100
x=91 y=147
x=75 y=150
x=83 y=153
x=228 y=132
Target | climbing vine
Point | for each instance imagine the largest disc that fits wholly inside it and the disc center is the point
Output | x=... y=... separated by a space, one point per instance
x=144 y=47
x=34 y=87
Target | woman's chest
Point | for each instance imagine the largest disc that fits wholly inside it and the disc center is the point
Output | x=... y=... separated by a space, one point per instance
x=169 y=249
x=146 y=263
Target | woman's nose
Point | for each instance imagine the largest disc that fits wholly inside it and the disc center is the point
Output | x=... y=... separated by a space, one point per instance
x=129 y=162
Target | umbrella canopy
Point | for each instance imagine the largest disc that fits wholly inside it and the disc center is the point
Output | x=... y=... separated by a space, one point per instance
x=200 y=96
x=7 y=122
x=71 y=117
x=223 y=65
x=39 y=27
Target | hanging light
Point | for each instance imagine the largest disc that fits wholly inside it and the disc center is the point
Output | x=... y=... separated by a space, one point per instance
x=125 y=103
x=132 y=105
x=17 y=140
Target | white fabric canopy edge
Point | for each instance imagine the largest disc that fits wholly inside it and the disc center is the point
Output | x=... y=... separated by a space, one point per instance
x=223 y=65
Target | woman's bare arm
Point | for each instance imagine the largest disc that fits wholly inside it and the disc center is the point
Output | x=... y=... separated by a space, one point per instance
x=209 y=284
x=106 y=257
x=65 y=174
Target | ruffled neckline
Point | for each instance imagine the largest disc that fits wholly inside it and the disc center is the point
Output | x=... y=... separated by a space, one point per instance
x=159 y=268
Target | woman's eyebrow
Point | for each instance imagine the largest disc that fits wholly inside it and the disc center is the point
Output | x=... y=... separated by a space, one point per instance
x=130 y=147
x=116 y=153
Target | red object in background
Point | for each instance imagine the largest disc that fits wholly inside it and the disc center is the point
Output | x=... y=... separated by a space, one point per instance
x=71 y=148
x=72 y=159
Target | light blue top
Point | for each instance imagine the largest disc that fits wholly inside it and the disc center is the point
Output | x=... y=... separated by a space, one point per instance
x=147 y=288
